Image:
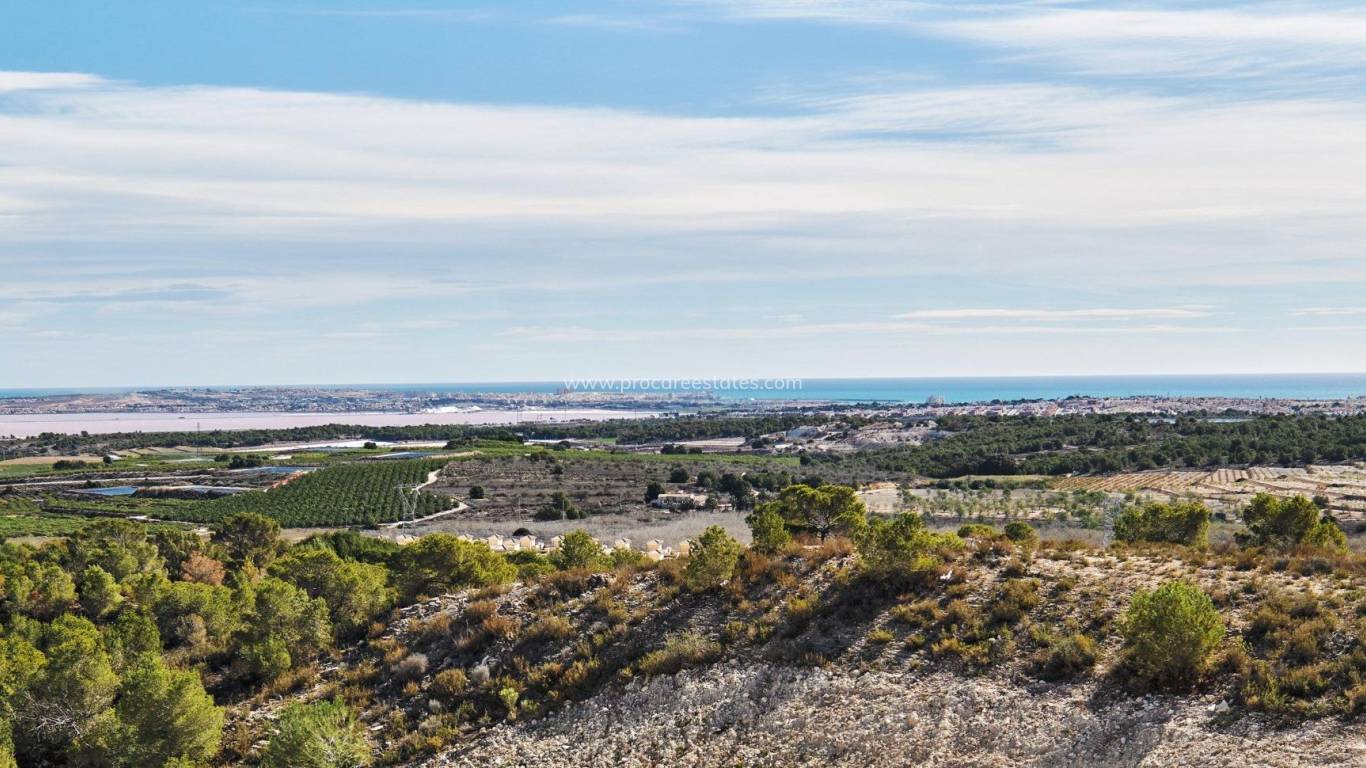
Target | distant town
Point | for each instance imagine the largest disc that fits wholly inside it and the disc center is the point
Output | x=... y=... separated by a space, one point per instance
x=330 y=400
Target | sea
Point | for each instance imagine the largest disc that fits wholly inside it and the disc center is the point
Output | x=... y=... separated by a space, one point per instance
x=1308 y=386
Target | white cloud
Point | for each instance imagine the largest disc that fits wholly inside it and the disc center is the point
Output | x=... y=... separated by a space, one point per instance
x=1254 y=40
x=1108 y=313
x=243 y=192
x=1163 y=39
x=614 y=23
x=131 y=163
x=277 y=208
x=33 y=81
x=841 y=330
x=1329 y=311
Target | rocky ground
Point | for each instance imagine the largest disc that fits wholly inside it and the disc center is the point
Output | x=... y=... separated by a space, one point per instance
x=751 y=714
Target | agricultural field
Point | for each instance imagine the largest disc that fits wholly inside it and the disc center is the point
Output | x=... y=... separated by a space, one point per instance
x=1077 y=507
x=359 y=493
x=349 y=493
x=516 y=487
x=1226 y=489
x=22 y=517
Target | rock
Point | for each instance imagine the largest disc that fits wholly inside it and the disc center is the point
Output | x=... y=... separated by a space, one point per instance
x=763 y=715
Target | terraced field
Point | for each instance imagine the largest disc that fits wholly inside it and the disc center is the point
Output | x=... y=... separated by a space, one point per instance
x=1343 y=485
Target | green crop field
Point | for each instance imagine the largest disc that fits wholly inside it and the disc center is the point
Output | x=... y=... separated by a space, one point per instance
x=12 y=526
x=363 y=493
x=21 y=517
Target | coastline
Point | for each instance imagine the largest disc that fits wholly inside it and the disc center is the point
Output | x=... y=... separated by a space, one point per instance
x=891 y=390
x=31 y=425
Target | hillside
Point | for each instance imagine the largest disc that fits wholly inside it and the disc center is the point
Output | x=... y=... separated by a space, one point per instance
x=798 y=661
x=835 y=638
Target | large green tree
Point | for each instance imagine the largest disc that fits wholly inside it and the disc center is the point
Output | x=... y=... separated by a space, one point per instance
x=285 y=628
x=1181 y=522
x=119 y=547
x=440 y=562
x=355 y=593
x=68 y=704
x=249 y=539
x=1282 y=522
x=164 y=715
x=824 y=510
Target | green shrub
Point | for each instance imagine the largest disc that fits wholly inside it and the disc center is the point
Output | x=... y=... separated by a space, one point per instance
x=1066 y=657
x=320 y=735
x=450 y=684
x=578 y=550
x=712 y=560
x=1306 y=682
x=1170 y=632
x=439 y=563
x=1277 y=522
x=688 y=649
x=1016 y=599
x=509 y=695
x=977 y=531
x=1326 y=535
x=530 y=565
x=1182 y=522
x=901 y=550
x=1261 y=690
x=1023 y=534
x=625 y=557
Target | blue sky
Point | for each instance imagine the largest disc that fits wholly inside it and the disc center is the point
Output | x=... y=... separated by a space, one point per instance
x=292 y=192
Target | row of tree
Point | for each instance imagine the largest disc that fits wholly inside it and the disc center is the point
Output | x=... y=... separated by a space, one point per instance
x=624 y=431
x=1093 y=443
x=1272 y=521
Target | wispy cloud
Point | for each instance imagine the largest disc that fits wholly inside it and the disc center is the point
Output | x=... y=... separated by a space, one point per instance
x=429 y=14
x=1329 y=311
x=994 y=210
x=1202 y=41
x=11 y=82
x=1253 y=40
x=845 y=330
x=1108 y=313
x=617 y=23
x=170 y=294
x=131 y=162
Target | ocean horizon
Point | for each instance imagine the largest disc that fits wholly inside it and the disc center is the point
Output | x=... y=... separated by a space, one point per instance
x=958 y=389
